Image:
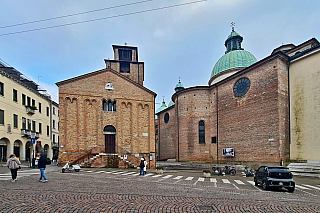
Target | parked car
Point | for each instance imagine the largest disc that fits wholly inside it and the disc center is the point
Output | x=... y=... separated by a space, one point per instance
x=274 y=177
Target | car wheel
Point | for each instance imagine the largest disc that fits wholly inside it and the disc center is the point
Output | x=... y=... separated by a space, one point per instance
x=232 y=172
x=265 y=185
x=290 y=189
x=63 y=170
x=255 y=182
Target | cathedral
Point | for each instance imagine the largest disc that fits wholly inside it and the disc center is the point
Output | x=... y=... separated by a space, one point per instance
x=107 y=116
x=251 y=111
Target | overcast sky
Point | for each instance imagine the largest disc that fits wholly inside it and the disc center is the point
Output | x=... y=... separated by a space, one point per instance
x=184 y=41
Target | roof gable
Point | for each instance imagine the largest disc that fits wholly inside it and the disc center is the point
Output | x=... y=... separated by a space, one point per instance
x=88 y=75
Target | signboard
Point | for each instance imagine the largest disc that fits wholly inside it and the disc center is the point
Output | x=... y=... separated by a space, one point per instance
x=228 y=152
x=33 y=139
x=125 y=157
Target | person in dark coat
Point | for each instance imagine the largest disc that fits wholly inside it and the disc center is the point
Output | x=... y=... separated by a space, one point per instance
x=142 y=167
x=42 y=166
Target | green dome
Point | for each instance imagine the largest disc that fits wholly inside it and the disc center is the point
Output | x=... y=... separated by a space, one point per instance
x=233 y=59
x=235 y=56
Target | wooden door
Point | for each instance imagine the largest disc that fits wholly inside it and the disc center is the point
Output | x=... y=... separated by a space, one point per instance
x=110 y=141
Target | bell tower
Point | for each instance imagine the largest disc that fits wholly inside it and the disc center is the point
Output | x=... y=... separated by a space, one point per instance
x=126 y=62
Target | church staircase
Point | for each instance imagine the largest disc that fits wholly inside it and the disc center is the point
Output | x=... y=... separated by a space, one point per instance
x=92 y=158
x=108 y=160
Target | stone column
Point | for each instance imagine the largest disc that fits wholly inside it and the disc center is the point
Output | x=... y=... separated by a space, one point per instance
x=9 y=149
x=22 y=151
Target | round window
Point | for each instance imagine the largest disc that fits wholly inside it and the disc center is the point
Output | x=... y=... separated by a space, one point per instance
x=166 y=118
x=241 y=87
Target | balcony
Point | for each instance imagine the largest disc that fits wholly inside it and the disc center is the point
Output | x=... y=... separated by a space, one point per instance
x=27 y=133
x=31 y=109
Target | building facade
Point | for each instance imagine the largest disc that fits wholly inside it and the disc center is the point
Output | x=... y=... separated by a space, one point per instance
x=109 y=110
x=245 y=113
x=24 y=114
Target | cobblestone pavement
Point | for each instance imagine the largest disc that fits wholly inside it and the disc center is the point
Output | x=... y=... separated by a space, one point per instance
x=118 y=190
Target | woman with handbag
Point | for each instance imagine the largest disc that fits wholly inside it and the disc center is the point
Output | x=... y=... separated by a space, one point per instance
x=13 y=164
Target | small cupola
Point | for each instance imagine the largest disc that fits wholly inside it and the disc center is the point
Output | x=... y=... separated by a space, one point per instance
x=179 y=86
x=233 y=41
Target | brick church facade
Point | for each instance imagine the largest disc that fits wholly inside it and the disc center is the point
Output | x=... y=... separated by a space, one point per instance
x=108 y=112
x=243 y=115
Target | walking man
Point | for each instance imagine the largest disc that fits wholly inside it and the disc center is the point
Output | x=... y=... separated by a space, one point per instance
x=142 y=167
x=42 y=166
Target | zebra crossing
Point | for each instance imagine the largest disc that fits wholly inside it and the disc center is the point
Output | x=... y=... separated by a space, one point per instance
x=196 y=179
x=7 y=176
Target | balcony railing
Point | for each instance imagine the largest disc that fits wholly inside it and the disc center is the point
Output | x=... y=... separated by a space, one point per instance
x=27 y=133
x=31 y=109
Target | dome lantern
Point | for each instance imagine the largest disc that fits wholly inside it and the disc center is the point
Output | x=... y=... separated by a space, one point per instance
x=179 y=86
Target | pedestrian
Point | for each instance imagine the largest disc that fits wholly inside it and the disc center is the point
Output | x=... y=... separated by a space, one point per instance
x=42 y=163
x=13 y=164
x=145 y=166
x=142 y=167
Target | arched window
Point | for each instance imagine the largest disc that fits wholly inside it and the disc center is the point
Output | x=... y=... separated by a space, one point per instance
x=201 y=132
x=109 y=105
x=104 y=105
x=114 y=105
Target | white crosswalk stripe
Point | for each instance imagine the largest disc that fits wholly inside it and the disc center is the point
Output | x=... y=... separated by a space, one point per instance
x=239 y=182
x=313 y=187
x=213 y=180
x=189 y=178
x=225 y=181
x=168 y=176
x=154 y=176
x=178 y=177
x=251 y=182
x=129 y=173
x=301 y=187
x=201 y=179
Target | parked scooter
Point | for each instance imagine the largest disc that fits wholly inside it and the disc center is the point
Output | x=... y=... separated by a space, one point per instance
x=226 y=170
x=68 y=168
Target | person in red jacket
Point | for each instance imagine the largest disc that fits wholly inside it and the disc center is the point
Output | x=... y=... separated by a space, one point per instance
x=42 y=166
x=13 y=164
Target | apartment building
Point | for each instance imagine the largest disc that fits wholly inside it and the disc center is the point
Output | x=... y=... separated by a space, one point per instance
x=26 y=112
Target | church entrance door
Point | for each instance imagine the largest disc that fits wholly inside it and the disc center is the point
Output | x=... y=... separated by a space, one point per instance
x=110 y=139
x=110 y=144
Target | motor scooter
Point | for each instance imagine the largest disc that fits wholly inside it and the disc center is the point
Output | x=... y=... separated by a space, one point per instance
x=68 y=168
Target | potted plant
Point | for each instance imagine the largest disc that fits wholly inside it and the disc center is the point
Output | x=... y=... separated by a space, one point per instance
x=159 y=170
x=206 y=173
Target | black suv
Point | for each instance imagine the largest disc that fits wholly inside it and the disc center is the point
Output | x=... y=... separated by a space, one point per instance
x=274 y=176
